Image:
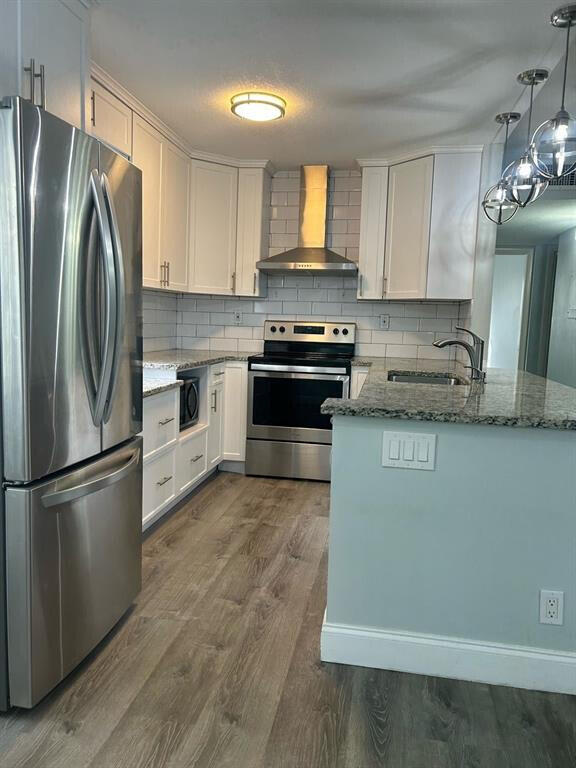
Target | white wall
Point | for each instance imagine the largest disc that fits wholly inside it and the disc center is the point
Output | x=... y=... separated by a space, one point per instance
x=562 y=353
x=508 y=293
x=207 y=322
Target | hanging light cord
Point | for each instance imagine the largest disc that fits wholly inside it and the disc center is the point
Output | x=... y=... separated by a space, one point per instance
x=566 y=65
x=530 y=113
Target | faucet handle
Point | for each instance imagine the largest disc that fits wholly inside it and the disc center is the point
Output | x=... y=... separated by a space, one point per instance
x=478 y=346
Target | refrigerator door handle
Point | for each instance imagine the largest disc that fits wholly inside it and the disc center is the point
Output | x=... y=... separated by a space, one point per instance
x=111 y=312
x=120 y=294
x=92 y=486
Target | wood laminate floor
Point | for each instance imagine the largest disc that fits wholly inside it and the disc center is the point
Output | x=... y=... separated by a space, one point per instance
x=218 y=665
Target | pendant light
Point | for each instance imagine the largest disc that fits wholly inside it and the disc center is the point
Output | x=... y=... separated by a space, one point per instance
x=523 y=180
x=497 y=206
x=554 y=142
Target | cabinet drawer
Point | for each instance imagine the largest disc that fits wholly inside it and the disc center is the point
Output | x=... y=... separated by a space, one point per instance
x=161 y=423
x=217 y=373
x=158 y=483
x=190 y=461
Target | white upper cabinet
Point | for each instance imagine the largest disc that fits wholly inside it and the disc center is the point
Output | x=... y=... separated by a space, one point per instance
x=418 y=228
x=408 y=229
x=111 y=119
x=372 y=233
x=53 y=33
x=174 y=222
x=147 y=155
x=252 y=229
x=213 y=214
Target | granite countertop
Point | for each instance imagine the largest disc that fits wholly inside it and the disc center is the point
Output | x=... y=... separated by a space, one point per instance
x=508 y=398
x=179 y=359
x=152 y=386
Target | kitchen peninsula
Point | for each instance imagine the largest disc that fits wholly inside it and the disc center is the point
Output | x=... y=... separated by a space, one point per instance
x=439 y=572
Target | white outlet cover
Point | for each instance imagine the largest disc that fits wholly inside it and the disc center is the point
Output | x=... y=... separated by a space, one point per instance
x=551 y=607
x=384 y=322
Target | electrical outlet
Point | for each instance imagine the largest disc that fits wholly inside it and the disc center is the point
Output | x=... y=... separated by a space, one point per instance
x=384 y=322
x=238 y=318
x=551 y=607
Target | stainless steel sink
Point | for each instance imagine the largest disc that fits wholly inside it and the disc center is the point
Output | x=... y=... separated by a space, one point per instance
x=422 y=378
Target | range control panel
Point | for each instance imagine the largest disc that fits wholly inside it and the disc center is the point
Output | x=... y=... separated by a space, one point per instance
x=290 y=330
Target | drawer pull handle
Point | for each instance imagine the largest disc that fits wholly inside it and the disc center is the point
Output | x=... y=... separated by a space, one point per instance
x=164 y=480
x=219 y=374
x=197 y=458
x=163 y=422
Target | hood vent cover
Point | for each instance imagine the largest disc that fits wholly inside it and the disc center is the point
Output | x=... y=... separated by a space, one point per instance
x=311 y=257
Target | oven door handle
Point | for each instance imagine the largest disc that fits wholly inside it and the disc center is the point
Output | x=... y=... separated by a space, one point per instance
x=297 y=368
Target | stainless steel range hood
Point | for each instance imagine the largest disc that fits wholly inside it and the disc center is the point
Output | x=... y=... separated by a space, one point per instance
x=311 y=257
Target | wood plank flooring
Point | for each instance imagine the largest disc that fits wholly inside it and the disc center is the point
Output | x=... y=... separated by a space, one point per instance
x=217 y=665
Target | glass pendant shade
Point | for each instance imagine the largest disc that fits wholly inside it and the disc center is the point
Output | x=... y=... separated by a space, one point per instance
x=497 y=206
x=524 y=182
x=554 y=146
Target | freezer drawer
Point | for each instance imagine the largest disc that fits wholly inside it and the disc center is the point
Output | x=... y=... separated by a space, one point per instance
x=73 y=567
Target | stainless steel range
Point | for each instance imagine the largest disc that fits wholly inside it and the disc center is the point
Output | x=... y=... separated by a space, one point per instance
x=303 y=363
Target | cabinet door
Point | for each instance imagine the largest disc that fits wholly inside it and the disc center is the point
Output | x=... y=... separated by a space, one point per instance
x=147 y=155
x=252 y=229
x=359 y=376
x=216 y=422
x=408 y=228
x=54 y=34
x=372 y=233
x=111 y=119
x=175 y=204
x=235 y=411
x=213 y=228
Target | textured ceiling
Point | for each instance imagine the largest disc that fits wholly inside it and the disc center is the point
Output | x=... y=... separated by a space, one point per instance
x=362 y=78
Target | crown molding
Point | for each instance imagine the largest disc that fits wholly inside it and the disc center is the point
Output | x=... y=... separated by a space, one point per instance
x=117 y=89
x=383 y=162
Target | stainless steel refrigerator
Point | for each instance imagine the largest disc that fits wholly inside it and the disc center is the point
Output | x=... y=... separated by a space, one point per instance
x=71 y=380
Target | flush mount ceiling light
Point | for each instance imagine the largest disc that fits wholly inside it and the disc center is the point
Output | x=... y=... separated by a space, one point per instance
x=554 y=142
x=524 y=182
x=497 y=206
x=255 y=105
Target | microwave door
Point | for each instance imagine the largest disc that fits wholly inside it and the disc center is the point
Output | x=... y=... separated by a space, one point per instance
x=122 y=189
x=47 y=210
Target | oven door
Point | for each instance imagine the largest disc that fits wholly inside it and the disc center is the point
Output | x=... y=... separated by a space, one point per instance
x=285 y=405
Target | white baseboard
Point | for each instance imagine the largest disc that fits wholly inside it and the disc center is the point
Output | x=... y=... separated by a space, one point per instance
x=518 y=666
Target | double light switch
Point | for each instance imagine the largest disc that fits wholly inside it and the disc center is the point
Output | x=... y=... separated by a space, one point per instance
x=408 y=450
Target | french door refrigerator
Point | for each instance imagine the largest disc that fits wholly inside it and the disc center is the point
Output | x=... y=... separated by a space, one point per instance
x=71 y=396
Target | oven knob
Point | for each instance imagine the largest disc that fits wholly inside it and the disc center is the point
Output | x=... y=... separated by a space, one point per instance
x=335 y=331
x=273 y=329
x=282 y=329
x=345 y=331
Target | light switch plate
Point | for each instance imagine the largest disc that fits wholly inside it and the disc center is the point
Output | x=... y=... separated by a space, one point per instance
x=409 y=450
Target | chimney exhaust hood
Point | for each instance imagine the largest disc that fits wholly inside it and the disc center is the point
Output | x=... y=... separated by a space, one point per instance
x=311 y=257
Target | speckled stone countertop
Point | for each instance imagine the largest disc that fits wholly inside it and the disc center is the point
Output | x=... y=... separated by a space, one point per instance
x=152 y=386
x=179 y=359
x=508 y=398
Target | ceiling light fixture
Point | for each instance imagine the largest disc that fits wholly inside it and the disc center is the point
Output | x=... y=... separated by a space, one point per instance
x=259 y=106
x=554 y=142
x=497 y=206
x=524 y=182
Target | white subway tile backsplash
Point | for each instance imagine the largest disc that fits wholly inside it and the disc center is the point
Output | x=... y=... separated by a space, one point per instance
x=291 y=308
x=267 y=307
x=196 y=344
x=401 y=350
x=403 y=324
x=312 y=294
x=237 y=332
x=387 y=337
x=326 y=308
x=228 y=345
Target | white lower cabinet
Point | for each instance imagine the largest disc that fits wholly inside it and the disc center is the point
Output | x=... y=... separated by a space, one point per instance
x=235 y=411
x=215 y=424
x=161 y=420
x=159 y=485
x=357 y=379
x=191 y=460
